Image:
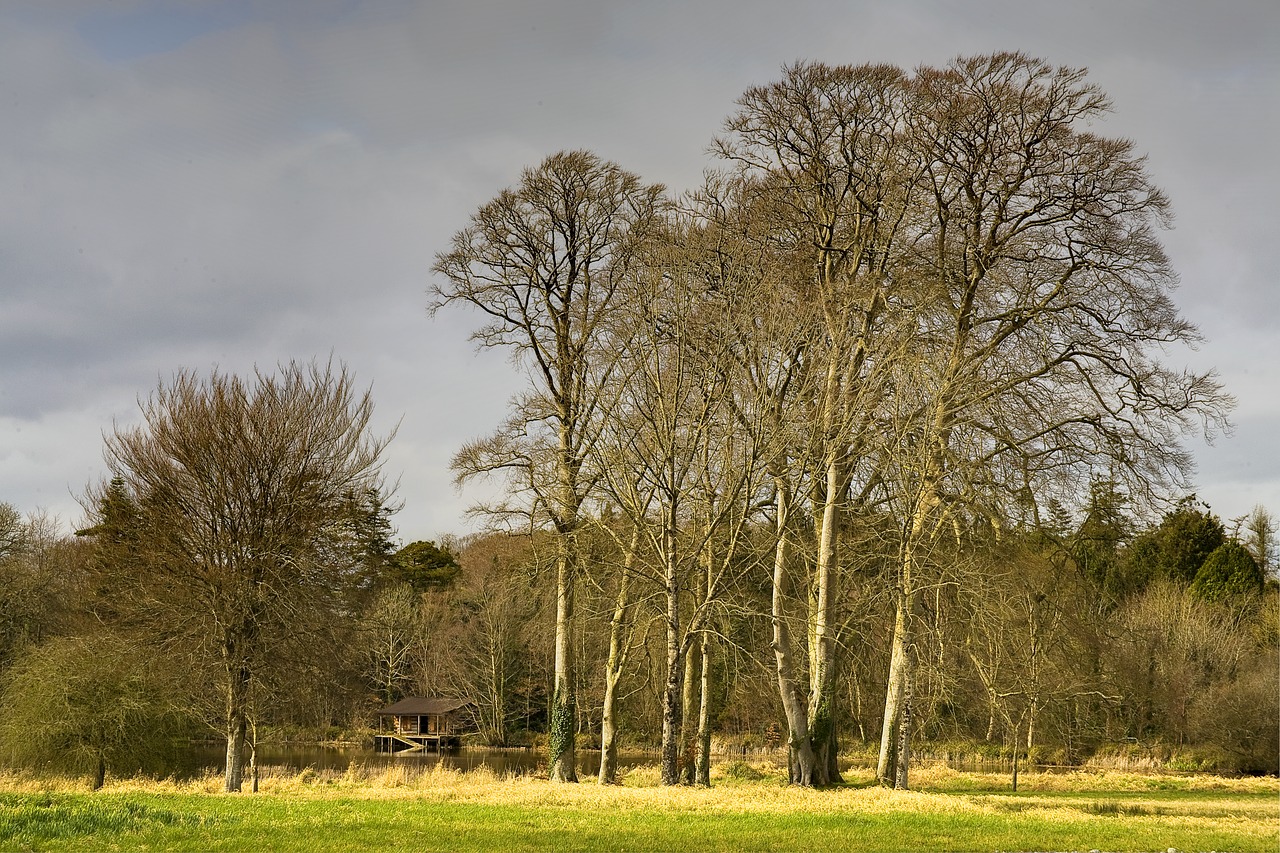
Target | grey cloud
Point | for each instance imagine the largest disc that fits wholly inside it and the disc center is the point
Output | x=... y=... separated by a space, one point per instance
x=275 y=185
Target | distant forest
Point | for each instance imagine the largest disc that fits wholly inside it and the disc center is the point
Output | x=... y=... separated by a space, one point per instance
x=866 y=445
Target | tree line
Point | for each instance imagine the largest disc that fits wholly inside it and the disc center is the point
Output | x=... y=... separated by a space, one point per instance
x=1077 y=641
x=865 y=440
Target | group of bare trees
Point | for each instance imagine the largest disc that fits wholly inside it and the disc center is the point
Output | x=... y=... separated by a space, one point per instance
x=908 y=307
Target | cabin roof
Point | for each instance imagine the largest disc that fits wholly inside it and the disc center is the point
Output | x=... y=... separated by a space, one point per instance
x=420 y=706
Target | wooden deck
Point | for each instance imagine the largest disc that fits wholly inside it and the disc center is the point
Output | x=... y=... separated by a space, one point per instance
x=405 y=742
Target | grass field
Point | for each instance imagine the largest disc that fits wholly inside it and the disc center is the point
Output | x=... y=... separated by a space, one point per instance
x=447 y=810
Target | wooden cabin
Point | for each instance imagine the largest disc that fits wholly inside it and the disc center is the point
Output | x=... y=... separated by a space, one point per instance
x=418 y=723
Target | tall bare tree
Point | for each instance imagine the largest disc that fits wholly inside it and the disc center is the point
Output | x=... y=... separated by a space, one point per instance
x=544 y=261
x=673 y=461
x=828 y=140
x=1044 y=303
x=241 y=495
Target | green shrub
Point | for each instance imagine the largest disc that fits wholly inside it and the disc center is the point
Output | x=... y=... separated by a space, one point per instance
x=741 y=770
x=91 y=705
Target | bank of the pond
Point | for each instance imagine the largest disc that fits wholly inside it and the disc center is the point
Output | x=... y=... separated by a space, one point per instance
x=392 y=809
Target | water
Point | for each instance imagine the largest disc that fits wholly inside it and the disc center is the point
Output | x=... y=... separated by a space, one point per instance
x=203 y=758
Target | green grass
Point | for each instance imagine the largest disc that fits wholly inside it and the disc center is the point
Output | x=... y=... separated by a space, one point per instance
x=449 y=812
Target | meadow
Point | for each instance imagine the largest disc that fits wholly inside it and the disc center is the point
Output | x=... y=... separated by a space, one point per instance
x=748 y=808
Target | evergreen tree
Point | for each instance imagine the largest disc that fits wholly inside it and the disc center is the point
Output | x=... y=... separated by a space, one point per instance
x=425 y=566
x=1178 y=547
x=1228 y=572
x=1098 y=542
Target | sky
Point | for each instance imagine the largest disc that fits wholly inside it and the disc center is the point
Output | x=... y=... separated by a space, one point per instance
x=190 y=185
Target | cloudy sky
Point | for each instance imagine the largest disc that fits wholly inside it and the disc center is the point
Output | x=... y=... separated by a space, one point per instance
x=191 y=184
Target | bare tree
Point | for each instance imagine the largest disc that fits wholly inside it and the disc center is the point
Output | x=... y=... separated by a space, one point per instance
x=917 y=308
x=1044 y=301
x=664 y=423
x=828 y=141
x=241 y=495
x=390 y=635
x=494 y=606
x=544 y=261
x=1260 y=539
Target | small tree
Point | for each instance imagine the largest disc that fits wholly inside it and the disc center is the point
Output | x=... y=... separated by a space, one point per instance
x=1260 y=538
x=240 y=542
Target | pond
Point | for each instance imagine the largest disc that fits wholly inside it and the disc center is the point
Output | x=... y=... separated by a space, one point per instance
x=202 y=758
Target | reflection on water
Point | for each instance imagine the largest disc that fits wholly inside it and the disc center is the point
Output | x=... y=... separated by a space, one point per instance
x=203 y=758
x=209 y=758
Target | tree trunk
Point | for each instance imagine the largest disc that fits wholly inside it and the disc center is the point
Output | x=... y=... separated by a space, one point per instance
x=821 y=677
x=855 y=701
x=564 y=718
x=799 y=749
x=236 y=727
x=100 y=772
x=613 y=669
x=609 y=731
x=671 y=711
x=253 y=754
x=673 y=692
x=902 y=764
x=689 y=716
x=895 y=694
x=696 y=693
x=1031 y=726
x=822 y=733
x=702 y=771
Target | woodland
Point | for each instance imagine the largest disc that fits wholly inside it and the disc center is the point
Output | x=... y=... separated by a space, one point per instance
x=868 y=445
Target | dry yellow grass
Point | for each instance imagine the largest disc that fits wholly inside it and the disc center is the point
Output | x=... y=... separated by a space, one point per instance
x=937 y=789
x=1088 y=780
x=378 y=779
